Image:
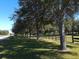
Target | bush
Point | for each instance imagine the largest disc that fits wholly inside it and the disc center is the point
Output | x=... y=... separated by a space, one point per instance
x=4 y=32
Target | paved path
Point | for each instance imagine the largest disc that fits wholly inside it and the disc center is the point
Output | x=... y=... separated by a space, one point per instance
x=3 y=37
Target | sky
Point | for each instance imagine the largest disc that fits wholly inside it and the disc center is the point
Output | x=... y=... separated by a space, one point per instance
x=76 y=16
x=7 y=8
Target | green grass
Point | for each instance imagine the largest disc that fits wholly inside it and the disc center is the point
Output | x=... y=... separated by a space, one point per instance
x=23 y=48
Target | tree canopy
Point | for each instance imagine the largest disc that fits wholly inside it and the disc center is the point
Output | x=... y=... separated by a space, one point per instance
x=33 y=15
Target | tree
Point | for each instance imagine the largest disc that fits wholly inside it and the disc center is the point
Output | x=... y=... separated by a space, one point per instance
x=66 y=7
x=4 y=32
x=35 y=12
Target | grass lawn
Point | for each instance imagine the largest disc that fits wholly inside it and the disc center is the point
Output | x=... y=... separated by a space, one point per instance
x=23 y=48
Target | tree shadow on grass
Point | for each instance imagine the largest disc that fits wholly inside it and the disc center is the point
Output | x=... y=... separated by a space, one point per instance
x=14 y=48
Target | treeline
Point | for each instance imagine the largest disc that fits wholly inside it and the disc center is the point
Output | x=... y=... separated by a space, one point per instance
x=47 y=29
x=35 y=17
x=4 y=32
x=46 y=17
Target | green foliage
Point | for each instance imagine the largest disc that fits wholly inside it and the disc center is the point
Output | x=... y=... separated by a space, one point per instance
x=4 y=32
x=34 y=15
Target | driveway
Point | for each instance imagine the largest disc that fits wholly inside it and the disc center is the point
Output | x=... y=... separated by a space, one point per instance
x=3 y=37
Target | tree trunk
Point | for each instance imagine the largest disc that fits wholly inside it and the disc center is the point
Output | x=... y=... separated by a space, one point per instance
x=37 y=32
x=62 y=35
x=72 y=33
x=37 y=28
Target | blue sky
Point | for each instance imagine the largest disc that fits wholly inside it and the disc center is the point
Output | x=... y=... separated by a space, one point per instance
x=7 y=8
x=76 y=16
